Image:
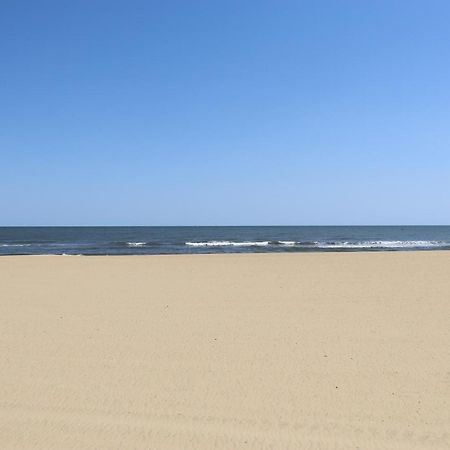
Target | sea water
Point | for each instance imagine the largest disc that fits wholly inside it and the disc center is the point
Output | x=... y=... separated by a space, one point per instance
x=238 y=239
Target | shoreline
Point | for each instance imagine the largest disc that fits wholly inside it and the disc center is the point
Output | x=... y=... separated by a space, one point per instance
x=260 y=253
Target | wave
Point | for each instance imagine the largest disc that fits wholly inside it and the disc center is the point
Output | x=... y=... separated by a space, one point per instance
x=287 y=243
x=296 y=243
x=381 y=244
x=15 y=245
x=362 y=244
x=136 y=244
x=228 y=244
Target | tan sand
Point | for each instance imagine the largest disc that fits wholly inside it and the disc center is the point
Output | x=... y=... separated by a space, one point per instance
x=287 y=351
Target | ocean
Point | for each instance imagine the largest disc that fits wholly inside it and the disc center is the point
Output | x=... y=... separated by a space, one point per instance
x=238 y=239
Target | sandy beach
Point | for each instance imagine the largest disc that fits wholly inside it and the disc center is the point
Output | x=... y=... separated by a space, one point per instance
x=256 y=351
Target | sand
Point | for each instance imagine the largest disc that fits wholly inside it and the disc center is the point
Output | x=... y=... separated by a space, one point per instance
x=257 y=351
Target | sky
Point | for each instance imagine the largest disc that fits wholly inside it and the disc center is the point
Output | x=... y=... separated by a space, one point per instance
x=224 y=112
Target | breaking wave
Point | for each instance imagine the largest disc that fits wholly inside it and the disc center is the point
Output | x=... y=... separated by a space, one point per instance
x=325 y=244
x=228 y=244
x=15 y=245
x=381 y=244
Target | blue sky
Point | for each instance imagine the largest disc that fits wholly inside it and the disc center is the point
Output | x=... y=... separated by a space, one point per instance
x=222 y=113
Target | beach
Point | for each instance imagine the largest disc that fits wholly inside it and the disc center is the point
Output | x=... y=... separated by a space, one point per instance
x=252 y=351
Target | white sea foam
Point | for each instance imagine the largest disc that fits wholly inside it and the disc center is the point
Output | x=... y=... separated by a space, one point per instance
x=228 y=244
x=15 y=245
x=136 y=244
x=381 y=244
x=324 y=245
x=287 y=243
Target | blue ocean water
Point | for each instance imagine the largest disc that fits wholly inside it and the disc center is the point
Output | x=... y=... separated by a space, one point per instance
x=176 y=240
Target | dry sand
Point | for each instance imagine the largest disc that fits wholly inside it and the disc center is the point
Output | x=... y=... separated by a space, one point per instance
x=304 y=351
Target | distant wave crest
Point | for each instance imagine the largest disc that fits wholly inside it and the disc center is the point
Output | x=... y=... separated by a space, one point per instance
x=136 y=244
x=15 y=245
x=228 y=244
x=381 y=244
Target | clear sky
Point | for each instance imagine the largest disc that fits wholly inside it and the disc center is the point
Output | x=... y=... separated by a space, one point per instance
x=224 y=112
